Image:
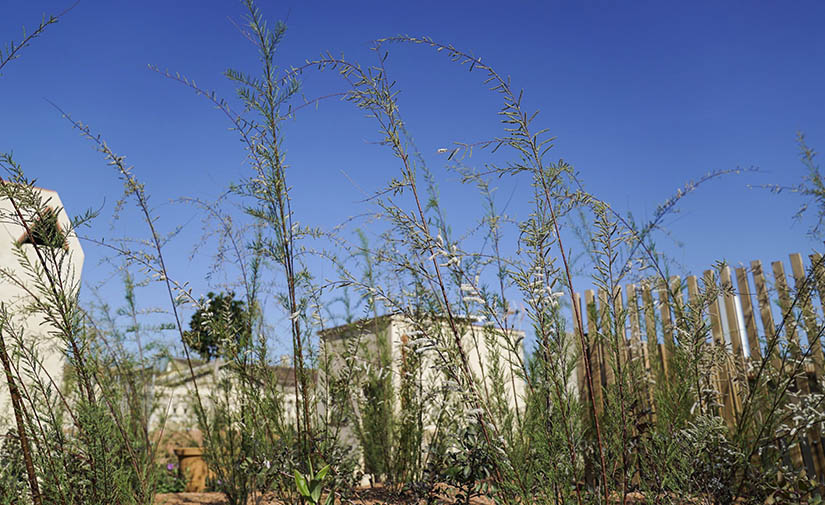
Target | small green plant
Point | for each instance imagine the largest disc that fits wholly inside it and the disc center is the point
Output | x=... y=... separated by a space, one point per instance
x=12 y=471
x=469 y=465
x=311 y=485
x=168 y=479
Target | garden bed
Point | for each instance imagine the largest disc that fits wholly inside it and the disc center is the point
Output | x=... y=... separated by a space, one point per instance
x=362 y=496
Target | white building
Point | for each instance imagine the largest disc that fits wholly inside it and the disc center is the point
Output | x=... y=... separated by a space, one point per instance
x=392 y=344
x=58 y=253
x=174 y=396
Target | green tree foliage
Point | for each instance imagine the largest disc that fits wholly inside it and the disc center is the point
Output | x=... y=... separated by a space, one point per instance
x=219 y=328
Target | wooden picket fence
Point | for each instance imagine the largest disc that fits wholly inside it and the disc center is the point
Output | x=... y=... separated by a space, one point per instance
x=654 y=315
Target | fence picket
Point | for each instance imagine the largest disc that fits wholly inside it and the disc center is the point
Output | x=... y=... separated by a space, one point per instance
x=651 y=335
x=745 y=298
x=595 y=349
x=789 y=324
x=738 y=368
x=667 y=327
x=722 y=376
x=604 y=321
x=637 y=350
x=803 y=293
x=581 y=381
x=616 y=354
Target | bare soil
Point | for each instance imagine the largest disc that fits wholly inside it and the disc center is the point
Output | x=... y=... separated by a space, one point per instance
x=361 y=496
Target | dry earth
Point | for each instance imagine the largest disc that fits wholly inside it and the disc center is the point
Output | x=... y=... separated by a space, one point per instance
x=362 y=496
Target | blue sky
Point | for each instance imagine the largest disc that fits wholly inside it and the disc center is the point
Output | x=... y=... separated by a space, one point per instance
x=642 y=96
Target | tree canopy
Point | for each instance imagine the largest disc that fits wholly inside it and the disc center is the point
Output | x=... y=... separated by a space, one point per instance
x=219 y=328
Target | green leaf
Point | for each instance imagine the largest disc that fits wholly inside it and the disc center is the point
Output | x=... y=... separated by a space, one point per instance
x=301 y=484
x=315 y=491
x=322 y=473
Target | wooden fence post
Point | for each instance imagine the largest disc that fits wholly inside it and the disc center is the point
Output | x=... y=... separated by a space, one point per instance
x=667 y=349
x=804 y=289
x=789 y=323
x=722 y=376
x=595 y=349
x=738 y=376
x=745 y=298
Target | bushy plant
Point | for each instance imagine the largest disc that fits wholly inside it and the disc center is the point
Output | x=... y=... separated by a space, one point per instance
x=169 y=479
x=585 y=418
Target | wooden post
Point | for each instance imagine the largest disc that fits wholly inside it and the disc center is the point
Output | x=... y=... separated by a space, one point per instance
x=723 y=378
x=192 y=468
x=595 y=354
x=653 y=359
x=766 y=314
x=621 y=332
x=638 y=352
x=738 y=376
x=698 y=322
x=680 y=316
x=667 y=327
x=789 y=323
x=581 y=383
x=745 y=298
x=608 y=359
x=804 y=289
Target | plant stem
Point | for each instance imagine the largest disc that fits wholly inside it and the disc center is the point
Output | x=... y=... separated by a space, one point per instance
x=18 y=417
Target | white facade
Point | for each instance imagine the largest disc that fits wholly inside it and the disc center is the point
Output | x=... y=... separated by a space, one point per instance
x=350 y=352
x=173 y=392
x=64 y=263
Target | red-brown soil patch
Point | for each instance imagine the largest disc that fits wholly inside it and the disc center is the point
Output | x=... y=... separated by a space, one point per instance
x=377 y=495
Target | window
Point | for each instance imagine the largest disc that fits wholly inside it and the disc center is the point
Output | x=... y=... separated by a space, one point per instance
x=45 y=231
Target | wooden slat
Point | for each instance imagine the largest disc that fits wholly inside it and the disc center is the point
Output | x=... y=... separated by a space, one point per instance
x=605 y=322
x=738 y=377
x=621 y=332
x=818 y=268
x=633 y=316
x=818 y=272
x=732 y=319
x=804 y=289
x=581 y=374
x=785 y=304
x=636 y=354
x=746 y=300
x=694 y=303
x=667 y=327
x=696 y=310
x=639 y=349
x=650 y=332
x=766 y=314
x=789 y=324
x=595 y=355
x=693 y=288
x=723 y=377
x=680 y=316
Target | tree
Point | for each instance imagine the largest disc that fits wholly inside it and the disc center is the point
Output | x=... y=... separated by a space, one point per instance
x=219 y=328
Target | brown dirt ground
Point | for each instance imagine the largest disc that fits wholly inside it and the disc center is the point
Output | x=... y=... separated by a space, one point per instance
x=362 y=496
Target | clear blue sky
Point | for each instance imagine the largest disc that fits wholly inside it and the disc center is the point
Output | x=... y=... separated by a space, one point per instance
x=642 y=96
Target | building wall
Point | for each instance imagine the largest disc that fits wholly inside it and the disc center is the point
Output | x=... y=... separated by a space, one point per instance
x=488 y=351
x=174 y=397
x=484 y=347
x=14 y=296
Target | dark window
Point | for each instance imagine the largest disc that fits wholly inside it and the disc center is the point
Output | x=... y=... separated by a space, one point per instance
x=45 y=231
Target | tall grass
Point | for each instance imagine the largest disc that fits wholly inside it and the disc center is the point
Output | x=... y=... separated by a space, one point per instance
x=411 y=411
